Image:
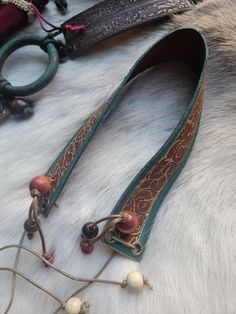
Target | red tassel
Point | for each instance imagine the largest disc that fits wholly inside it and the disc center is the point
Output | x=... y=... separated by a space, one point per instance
x=74 y=28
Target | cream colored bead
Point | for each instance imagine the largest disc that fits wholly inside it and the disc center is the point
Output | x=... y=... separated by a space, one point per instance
x=135 y=282
x=73 y=306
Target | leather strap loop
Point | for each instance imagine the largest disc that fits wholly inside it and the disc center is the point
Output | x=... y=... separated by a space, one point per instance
x=146 y=192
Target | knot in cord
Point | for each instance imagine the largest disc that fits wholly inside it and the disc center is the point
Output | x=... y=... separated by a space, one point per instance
x=35 y=193
x=49 y=257
x=124 y=284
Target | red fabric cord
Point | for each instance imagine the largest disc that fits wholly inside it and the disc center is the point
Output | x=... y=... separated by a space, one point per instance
x=12 y=18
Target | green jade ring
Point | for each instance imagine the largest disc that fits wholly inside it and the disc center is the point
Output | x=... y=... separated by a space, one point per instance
x=9 y=94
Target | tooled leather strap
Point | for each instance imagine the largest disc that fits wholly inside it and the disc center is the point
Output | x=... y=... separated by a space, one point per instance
x=146 y=192
x=111 y=17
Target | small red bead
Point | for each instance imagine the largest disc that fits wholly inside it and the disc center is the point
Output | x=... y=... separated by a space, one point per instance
x=86 y=247
x=130 y=223
x=49 y=257
x=42 y=184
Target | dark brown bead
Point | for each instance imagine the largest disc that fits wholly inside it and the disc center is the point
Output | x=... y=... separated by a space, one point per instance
x=41 y=184
x=20 y=108
x=90 y=230
x=86 y=247
x=30 y=227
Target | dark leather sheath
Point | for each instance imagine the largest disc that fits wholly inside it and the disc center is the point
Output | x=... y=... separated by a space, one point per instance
x=111 y=17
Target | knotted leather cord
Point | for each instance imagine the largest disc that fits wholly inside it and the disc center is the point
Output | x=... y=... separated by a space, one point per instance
x=57 y=269
x=89 y=283
x=13 y=282
x=59 y=300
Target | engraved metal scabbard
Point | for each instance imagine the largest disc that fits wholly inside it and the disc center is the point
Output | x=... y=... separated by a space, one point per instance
x=111 y=17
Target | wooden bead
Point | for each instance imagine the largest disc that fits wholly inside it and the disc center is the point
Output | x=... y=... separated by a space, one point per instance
x=86 y=247
x=90 y=230
x=73 y=305
x=30 y=227
x=42 y=184
x=135 y=282
x=21 y=108
x=129 y=224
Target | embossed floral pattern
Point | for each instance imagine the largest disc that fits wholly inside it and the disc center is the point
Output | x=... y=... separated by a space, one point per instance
x=62 y=165
x=146 y=192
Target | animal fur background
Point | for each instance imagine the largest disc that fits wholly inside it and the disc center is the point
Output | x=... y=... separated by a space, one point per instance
x=191 y=254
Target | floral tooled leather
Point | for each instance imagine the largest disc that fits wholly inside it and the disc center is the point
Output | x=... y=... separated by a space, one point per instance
x=59 y=169
x=147 y=191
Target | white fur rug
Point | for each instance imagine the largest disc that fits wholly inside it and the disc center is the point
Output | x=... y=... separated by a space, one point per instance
x=191 y=253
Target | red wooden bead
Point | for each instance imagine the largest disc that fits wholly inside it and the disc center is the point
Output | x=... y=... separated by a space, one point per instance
x=129 y=224
x=86 y=247
x=42 y=184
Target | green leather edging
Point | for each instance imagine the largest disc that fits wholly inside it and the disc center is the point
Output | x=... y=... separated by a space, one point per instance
x=155 y=208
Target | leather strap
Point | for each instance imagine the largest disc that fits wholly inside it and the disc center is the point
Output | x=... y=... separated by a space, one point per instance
x=111 y=17
x=145 y=193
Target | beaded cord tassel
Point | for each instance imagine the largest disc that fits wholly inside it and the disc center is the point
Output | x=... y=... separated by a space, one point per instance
x=40 y=187
x=125 y=223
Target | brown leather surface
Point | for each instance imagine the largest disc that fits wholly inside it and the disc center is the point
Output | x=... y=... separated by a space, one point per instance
x=186 y=46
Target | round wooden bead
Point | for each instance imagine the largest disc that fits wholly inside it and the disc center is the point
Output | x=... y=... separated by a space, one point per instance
x=42 y=184
x=90 y=230
x=135 y=282
x=73 y=306
x=30 y=227
x=86 y=247
x=130 y=223
x=21 y=108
